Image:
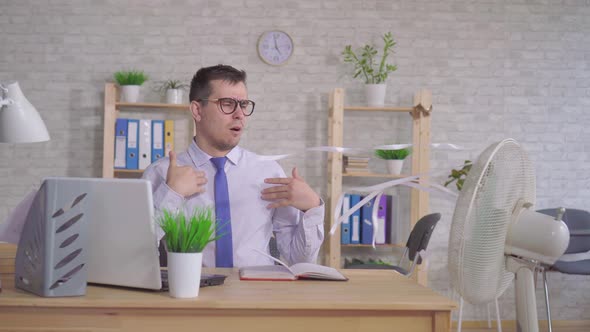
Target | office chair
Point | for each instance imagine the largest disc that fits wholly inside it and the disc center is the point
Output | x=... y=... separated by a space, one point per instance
x=417 y=241
x=576 y=259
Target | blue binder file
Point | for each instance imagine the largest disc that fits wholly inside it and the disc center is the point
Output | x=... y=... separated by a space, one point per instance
x=345 y=226
x=132 y=159
x=120 y=143
x=367 y=222
x=355 y=223
x=157 y=139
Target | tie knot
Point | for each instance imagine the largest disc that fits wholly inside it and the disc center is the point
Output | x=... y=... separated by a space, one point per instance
x=219 y=162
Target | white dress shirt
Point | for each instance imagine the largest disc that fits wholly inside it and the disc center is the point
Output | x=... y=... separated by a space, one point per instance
x=299 y=235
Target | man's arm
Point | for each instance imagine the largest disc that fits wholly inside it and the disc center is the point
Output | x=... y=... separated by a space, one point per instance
x=298 y=221
x=172 y=183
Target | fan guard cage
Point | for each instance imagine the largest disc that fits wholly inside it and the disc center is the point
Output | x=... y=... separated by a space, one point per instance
x=502 y=176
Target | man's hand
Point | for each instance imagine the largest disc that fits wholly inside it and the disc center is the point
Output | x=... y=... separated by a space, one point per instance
x=184 y=180
x=290 y=191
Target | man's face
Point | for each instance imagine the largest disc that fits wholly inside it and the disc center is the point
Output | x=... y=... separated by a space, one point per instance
x=216 y=131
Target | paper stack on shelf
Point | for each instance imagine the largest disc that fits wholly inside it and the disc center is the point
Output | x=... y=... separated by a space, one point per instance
x=355 y=164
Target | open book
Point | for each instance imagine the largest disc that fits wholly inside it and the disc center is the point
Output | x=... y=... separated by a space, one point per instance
x=294 y=272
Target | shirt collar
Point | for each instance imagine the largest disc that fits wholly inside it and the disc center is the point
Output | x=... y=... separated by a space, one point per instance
x=200 y=158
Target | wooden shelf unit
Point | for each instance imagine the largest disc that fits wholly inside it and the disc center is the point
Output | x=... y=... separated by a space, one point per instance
x=373 y=175
x=420 y=158
x=387 y=245
x=112 y=109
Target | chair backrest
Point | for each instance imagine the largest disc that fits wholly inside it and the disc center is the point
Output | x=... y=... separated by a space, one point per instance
x=576 y=220
x=420 y=235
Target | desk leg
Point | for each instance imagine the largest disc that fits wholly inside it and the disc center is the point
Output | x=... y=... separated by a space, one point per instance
x=441 y=321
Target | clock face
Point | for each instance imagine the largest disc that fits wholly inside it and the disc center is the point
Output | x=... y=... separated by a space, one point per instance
x=275 y=47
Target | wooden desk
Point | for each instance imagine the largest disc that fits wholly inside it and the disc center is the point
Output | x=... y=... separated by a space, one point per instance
x=371 y=300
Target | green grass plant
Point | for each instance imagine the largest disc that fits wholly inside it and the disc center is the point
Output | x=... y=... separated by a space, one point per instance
x=188 y=233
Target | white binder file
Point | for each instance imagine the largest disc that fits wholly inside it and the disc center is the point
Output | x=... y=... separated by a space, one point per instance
x=145 y=143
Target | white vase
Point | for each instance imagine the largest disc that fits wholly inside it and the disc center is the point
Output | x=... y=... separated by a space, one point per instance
x=375 y=94
x=174 y=96
x=129 y=93
x=184 y=274
x=395 y=166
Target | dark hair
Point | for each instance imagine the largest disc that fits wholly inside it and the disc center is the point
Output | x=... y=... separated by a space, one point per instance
x=200 y=84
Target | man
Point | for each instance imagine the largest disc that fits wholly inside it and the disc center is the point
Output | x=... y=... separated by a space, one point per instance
x=252 y=196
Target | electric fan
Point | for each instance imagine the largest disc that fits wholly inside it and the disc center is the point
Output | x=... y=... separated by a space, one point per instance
x=496 y=235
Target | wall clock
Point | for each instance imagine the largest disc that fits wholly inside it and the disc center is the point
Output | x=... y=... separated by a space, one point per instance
x=275 y=47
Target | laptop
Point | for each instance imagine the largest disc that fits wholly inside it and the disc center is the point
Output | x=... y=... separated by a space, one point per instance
x=122 y=247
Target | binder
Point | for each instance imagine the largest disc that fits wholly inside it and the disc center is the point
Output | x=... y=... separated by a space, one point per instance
x=355 y=225
x=120 y=143
x=145 y=143
x=383 y=221
x=367 y=222
x=394 y=234
x=157 y=139
x=132 y=159
x=345 y=226
x=168 y=137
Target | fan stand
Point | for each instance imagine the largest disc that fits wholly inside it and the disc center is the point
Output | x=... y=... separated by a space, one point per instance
x=526 y=302
x=498 y=320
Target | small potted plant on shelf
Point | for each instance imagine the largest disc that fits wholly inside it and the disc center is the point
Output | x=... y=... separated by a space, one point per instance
x=130 y=82
x=185 y=239
x=173 y=89
x=373 y=73
x=459 y=175
x=394 y=158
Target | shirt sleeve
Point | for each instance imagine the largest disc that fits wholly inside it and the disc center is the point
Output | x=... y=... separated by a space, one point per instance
x=163 y=196
x=299 y=235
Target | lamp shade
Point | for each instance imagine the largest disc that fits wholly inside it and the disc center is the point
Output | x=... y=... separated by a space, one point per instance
x=19 y=120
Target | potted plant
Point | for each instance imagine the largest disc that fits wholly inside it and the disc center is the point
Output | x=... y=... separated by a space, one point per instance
x=373 y=73
x=130 y=81
x=459 y=175
x=173 y=89
x=394 y=158
x=185 y=239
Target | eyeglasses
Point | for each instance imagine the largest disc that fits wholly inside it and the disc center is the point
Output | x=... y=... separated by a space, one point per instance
x=229 y=105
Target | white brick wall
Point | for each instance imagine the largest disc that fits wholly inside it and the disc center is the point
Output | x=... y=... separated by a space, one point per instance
x=496 y=68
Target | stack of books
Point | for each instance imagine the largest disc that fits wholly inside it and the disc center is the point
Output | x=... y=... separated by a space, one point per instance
x=355 y=164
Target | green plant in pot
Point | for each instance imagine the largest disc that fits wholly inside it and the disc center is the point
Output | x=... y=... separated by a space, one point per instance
x=186 y=236
x=130 y=81
x=395 y=158
x=459 y=175
x=372 y=69
x=173 y=90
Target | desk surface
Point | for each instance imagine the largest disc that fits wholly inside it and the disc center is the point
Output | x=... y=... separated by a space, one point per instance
x=378 y=292
x=366 y=289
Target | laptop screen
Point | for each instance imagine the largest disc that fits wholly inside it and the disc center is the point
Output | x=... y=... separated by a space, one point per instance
x=122 y=245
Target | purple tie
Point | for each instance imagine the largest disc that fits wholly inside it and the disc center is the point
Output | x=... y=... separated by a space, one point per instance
x=224 y=256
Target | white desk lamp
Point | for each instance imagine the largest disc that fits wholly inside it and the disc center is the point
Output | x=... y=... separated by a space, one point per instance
x=19 y=120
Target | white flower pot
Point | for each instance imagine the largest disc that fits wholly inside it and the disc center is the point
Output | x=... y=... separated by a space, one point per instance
x=395 y=166
x=174 y=96
x=375 y=94
x=129 y=93
x=184 y=274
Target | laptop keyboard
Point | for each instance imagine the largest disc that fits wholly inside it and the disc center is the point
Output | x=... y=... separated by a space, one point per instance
x=206 y=279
